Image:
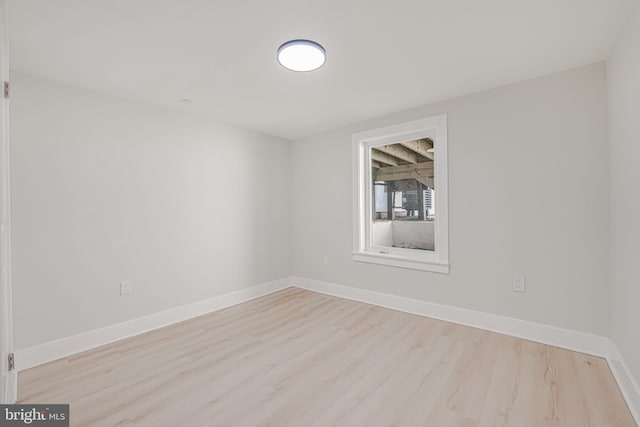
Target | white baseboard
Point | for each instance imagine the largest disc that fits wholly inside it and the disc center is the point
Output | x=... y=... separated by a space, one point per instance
x=558 y=337
x=627 y=383
x=564 y=338
x=53 y=350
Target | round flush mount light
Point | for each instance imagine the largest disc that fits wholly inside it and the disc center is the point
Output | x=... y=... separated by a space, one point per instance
x=301 y=55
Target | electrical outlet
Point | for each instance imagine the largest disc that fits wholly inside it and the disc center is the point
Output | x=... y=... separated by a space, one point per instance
x=126 y=288
x=519 y=284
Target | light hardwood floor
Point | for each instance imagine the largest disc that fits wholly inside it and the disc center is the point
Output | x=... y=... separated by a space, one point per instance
x=298 y=358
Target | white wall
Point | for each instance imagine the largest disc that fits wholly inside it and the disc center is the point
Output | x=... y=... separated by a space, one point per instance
x=515 y=153
x=382 y=233
x=414 y=234
x=403 y=234
x=106 y=190
x=623 y=77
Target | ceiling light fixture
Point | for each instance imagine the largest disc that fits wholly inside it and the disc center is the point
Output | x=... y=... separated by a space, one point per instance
x=301 y=55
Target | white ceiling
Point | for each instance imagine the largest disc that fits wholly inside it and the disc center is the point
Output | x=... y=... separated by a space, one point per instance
x=383 y=56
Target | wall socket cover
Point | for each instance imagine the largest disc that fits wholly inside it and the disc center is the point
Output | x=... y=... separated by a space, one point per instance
x=125 y=287
x=519 y=284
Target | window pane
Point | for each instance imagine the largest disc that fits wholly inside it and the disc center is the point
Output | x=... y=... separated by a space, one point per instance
x=403 y=194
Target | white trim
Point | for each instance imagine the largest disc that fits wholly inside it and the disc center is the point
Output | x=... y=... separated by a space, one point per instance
x=564 y=338
x=436 y=261
x=581 y=342
x=558 y=337
x=628 y=384
x=402 y=262
x=53 y=350
x=8 y=379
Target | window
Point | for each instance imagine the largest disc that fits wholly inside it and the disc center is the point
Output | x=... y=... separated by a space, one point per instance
x=400 y=195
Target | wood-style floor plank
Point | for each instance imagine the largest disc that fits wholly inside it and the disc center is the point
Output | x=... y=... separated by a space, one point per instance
x=298 y=358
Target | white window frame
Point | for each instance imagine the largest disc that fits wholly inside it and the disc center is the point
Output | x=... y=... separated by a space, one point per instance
x=418 y=259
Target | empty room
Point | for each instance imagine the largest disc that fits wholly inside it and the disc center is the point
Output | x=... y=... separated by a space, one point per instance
x=335 y=213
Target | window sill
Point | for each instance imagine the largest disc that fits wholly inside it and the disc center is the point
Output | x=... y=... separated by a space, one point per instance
x=402 y=262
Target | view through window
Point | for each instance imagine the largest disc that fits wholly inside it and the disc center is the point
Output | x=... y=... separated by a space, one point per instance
x=403 y=195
